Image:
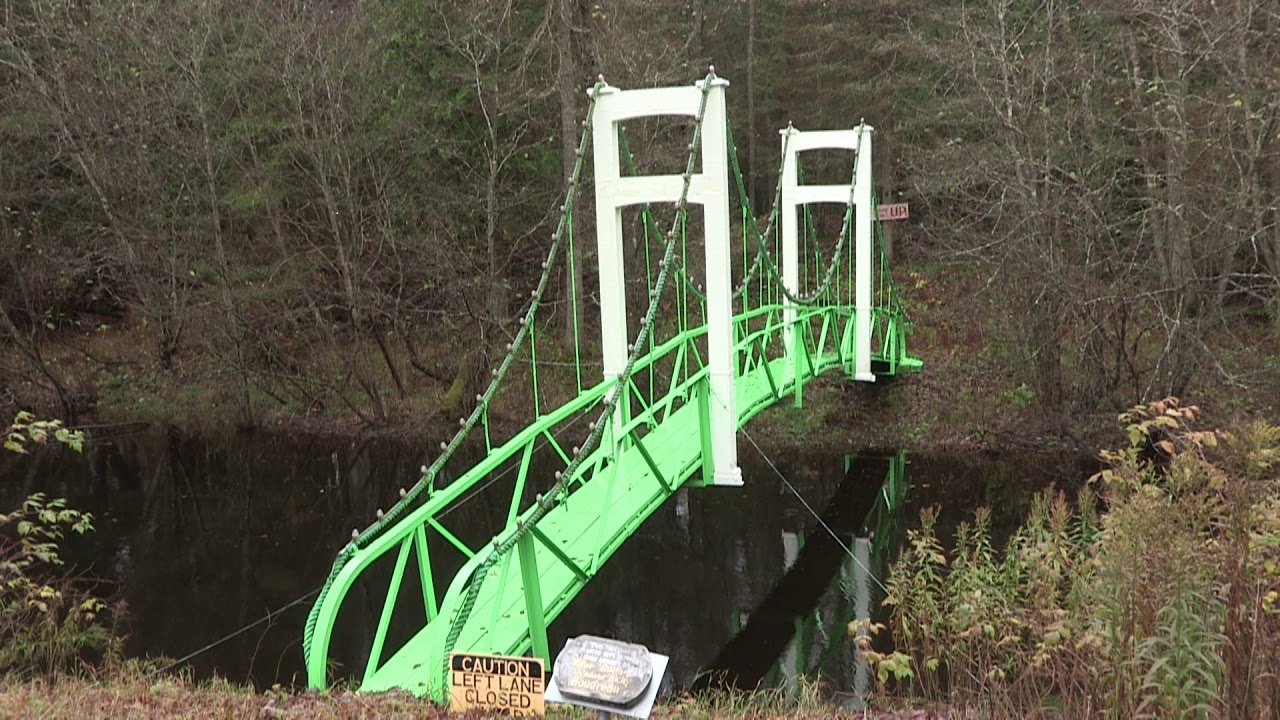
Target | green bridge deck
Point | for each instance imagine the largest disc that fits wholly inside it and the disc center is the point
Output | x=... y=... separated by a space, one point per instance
x=629 y=501
x=619 y=486
x=629 y=498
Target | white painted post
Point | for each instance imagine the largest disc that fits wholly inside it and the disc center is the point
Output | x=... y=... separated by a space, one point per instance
x=709 y=188
x=862 y=191
x=793 y=196
x=609 y=258
x=790 y=254
x=712 y=191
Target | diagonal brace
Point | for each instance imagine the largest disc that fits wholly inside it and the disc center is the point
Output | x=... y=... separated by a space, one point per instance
x=453 y=539
x=560 y=554
x=648 y=459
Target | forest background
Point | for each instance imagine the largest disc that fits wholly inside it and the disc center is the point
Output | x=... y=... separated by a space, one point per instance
x=327 y=214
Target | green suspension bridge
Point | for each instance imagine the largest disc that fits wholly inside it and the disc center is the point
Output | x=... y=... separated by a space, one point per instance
x=681 y=376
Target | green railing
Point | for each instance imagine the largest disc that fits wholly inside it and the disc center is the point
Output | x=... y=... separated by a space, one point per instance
x=759 y=351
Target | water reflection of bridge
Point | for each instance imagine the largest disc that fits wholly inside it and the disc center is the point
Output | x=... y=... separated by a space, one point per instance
x=834 y=574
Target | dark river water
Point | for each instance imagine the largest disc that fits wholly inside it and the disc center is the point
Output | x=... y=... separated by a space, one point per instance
x=200 y=536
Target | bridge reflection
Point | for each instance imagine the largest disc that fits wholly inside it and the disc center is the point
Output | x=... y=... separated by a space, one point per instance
x=835 y=568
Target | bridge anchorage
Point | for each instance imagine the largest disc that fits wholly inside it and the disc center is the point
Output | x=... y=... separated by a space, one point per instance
x=680 y=378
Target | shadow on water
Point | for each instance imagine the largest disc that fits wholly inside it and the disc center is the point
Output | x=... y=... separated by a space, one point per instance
x=799 y=628
x=203 y=535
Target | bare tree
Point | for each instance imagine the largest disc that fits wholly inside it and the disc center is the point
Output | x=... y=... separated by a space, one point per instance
x=498 y=55
x=1022 y=173
x=106 y=104
x=570 y=22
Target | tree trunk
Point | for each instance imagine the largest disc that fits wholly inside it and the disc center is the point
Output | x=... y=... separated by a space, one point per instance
x=361 y=366
x=883 y=163
x=693 y=46
x=752 y=170
x=1273 y=244
x=566 y=87
x=495 y=293
x=1045 y=319
x=235 y=327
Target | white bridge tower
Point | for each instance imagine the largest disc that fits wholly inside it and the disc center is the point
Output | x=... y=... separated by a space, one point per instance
x=795 y=195
x=710 y=189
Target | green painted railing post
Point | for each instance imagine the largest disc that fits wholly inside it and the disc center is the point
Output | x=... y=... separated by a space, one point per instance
x=900 y=342
x=704 y=431
x=533 y=598
x=797 y=351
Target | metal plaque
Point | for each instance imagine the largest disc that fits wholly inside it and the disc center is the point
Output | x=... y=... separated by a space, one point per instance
x=603 y=670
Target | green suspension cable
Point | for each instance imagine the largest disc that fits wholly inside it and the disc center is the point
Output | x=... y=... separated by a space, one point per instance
x=845 y=230
x=479 y=415
x=533 y=363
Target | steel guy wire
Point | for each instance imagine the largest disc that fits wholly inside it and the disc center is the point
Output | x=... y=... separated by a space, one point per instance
x=812 y=512
x=232 y=635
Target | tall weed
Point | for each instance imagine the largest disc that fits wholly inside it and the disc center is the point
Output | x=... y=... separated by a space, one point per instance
x=49 y=622
x=1164 y=603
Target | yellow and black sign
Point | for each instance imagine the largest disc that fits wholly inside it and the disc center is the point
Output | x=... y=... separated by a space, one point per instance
x=514 y=685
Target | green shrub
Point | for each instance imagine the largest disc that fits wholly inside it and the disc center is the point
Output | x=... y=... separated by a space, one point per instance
x=49 y=623
x=1166 y=604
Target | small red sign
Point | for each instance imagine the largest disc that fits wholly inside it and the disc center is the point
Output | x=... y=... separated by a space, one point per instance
x=896 y=211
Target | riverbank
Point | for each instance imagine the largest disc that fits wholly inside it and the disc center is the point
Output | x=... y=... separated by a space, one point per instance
x=975 y=393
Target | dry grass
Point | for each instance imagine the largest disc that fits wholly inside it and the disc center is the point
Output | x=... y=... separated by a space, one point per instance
x=137 y=697
x=132 y=693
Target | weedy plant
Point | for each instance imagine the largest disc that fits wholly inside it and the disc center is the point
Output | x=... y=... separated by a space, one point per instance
x=1156 y=595
x=49 y=622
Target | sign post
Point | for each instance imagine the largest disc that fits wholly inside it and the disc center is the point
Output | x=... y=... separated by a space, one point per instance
x=514 y=685
x=607 y=675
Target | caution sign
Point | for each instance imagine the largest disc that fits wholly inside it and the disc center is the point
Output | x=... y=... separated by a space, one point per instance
x=514 y=685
